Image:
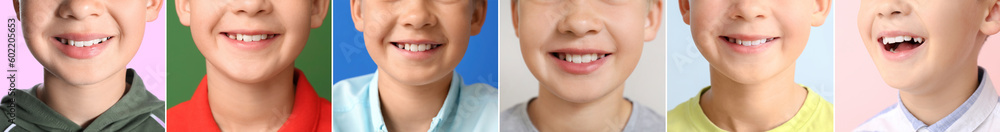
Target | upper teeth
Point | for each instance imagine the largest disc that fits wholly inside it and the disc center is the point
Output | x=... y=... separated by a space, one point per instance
x=749 y=43
x=250 y=38
x=899 y=39
x=417 y=47
x=82 y=43
x=581 y=58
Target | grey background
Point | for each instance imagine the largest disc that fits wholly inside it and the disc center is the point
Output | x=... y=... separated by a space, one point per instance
x=645 y=86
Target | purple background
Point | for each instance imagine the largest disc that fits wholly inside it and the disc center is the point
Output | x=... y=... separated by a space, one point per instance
x=149 y=62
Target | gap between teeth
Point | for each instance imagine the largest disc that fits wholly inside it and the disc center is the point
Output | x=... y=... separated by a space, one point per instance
x=250 y=38
x=417 y=47
x=82 y=43
x=749 y=43
x=581 y=58
x=900 y=39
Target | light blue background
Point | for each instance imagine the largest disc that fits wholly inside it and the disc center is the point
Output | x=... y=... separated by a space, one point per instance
x=687 y=70
x=350 y=58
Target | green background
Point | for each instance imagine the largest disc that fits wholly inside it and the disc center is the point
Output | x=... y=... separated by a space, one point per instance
x=186 y=65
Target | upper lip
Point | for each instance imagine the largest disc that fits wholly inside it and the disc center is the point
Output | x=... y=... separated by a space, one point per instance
x=249 y=32
x=416 y=41
x=748 y=37
x=580 y=51
x=894 y=33
x=82 y=36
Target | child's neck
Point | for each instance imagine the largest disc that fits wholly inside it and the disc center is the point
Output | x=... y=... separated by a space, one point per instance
x=82 y=103
x=551 y=113
x=238 y=106
x=407 y=107
x=936 y=99
x=761 y=106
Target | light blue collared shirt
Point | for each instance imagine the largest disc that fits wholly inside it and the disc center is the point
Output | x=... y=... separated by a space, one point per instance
x=468 y=108
x=978 y=113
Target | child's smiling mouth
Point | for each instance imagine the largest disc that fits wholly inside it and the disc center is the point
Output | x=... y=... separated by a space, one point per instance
x=417 y=49
x=86 y=43
x=579 y=58
x=899 y=45
x=579 y=61
x=250 y=40
x=748 y=44
x=896 y=44
x=249 y=37
x=81 y=45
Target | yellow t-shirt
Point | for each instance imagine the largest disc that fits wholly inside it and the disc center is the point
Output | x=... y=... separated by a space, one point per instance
x=816 y=114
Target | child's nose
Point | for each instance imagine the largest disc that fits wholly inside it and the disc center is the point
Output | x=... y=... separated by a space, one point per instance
x=748 y=10
x=81 y=9
x=250 y=7
x=889 y=8
x=580 y=20
x=416 y=16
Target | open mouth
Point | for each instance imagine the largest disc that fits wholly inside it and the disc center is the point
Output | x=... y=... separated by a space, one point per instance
x=579 y=58
x=742 y=42
x=897 y=44
x=250 y=37
x=580 y=61
x=82 y=43
x=415 y=47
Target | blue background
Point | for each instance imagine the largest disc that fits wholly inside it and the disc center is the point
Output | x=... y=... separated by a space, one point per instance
x=350 y=58
x=687 y=69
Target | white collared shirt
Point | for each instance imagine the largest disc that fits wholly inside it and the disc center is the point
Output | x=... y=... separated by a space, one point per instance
x=978 y=113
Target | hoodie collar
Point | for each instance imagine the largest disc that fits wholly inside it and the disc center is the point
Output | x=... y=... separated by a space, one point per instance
x=136 y=101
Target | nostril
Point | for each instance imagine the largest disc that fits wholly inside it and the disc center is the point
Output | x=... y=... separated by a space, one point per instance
x=890 y=13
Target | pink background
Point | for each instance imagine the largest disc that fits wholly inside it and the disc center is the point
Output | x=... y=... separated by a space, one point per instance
x=861 y=93
x=149 y=62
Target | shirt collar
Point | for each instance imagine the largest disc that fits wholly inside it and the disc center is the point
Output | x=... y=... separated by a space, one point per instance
x=446 y=112
x=306 y=109
x=304 y=116
x=979 y=104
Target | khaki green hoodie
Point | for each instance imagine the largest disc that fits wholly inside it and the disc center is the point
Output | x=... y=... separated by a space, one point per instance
x=137 y=111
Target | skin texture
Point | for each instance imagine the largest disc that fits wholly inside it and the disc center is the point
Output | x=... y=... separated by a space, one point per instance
x=752 y=91
x=412 y=90
x=941 y=73
x=81 y=89
x=252 y=89
x=590 y=101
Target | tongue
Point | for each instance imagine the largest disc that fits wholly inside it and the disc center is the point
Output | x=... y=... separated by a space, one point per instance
x=906 y=46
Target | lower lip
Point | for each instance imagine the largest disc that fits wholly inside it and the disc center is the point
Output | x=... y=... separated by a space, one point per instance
x=251 y=46
x=580 y=68
x=748 y=49
x=899 y=55
x=417 y=55
x=80 y=52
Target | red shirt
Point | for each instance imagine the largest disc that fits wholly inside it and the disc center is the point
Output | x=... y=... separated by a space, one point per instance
x=309 y=113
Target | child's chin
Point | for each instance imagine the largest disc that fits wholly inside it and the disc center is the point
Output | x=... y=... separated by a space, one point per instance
x=251 y=75
x=901 y=81
x=751 y=75
x=904 y=75
x=582 y=92
x=418 y=78
x=85 y=77
x=581 y=96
